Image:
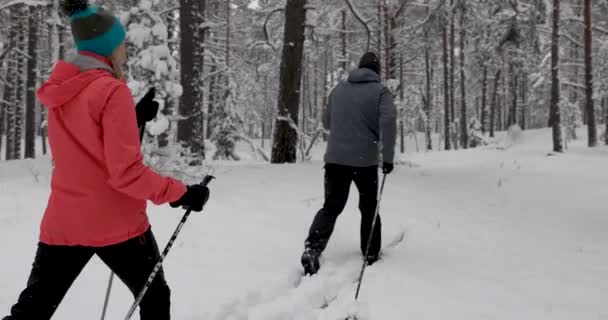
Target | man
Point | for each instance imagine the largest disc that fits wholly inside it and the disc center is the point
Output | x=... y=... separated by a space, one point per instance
x=360 y=116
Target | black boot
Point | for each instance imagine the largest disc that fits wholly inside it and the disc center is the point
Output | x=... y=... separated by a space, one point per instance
x=310 y=261
x=372 y=258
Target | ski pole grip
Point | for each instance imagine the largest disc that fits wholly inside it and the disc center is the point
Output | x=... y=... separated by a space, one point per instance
x=207 y=180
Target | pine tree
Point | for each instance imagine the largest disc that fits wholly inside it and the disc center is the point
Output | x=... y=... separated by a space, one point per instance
x=152 y=62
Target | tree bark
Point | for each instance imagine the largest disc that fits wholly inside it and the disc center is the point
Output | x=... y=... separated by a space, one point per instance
x=589 y=105
x=429 y=97
x=9 y=90
x=304 y=96
x=31 y=74
x=452 y=67
x=484 y=99
x=446 y=90
x=512 y=119
x=191 y=130
x=286 y=137
x=21 y=81
x=315 y=105
x=344 y=60
x=2 y=124
x=495 y=102
x=390 y=24
x=401 y=97
x=555 y=82
x=379 y=31
x=464 y=134
x=326 y=72
x=524 y=101
x=504 y=103
x=605 y=108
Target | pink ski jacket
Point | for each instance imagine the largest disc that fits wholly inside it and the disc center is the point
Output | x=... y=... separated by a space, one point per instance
x=99 y=183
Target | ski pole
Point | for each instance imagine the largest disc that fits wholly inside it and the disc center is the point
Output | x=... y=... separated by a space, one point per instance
x=159 y=264
x=142 y=129
x=371 y=234
x=107 y=300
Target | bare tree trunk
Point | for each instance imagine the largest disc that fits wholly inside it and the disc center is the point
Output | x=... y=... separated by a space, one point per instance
x=429 y=97
x=31 y=74
x=484 y=99
x=214 y=77
x=590 y=108
x=2 y=124
x=524 y=101
x=304 y=96
x=326 y=72
x=512 y=119
x=390 y=24
x=213 y=98
x=379 y=31
x=464 y=134
x=265 y=119
x=61 y=31
x=446 y=90
x=191 y=130
x=21 y=81
x=315 y=105
x=495 y=102
x=452 y=69
x=504 y=104
x=401 y=97
x=344 y=59
x=555 y=83
x=574 y=92
x=605 y=108
x=286 y=137
x=9 y=106
x=228 y=50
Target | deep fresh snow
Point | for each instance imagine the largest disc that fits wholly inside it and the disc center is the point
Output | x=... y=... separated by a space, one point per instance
x=490 y=234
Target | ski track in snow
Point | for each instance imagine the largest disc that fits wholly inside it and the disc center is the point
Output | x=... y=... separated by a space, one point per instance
x=492 y=234
x=326 y=295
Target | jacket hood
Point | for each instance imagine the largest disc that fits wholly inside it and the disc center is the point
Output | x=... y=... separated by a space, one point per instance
x=363 y=75
x=68 y=79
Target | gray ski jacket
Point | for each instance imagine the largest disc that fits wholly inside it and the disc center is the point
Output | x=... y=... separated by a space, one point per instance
x=362 y=119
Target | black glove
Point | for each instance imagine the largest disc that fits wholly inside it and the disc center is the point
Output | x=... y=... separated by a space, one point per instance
x=195 y=198
x=387 y=168
x=146 y=109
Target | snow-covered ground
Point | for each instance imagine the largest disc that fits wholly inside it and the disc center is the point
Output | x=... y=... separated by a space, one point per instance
x=490 y=234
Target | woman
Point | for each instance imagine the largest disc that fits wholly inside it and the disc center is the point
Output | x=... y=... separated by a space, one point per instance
x=99 y=183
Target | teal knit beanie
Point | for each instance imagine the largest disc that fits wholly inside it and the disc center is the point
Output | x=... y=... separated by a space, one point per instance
x=94 y=29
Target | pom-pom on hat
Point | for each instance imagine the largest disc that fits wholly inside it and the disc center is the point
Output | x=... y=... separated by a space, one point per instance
x=94 y=29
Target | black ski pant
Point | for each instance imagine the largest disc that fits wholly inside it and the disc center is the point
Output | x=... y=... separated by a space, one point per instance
x=338 y=180
x=56 y=267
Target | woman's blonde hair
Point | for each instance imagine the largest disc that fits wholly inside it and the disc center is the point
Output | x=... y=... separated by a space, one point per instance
x=115 y=59
x=117 y=71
